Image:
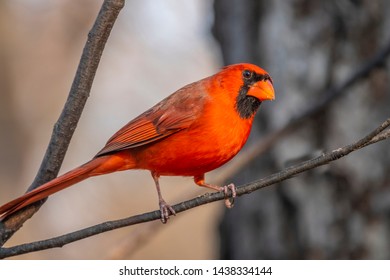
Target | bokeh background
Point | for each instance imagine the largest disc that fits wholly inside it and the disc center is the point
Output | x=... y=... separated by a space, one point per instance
x=341 y=211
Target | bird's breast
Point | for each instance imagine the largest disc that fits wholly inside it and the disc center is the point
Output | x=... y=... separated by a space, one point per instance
x=213 y=139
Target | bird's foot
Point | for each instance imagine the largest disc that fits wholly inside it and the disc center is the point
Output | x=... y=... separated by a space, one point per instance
x=166 y=210
x=229 y=201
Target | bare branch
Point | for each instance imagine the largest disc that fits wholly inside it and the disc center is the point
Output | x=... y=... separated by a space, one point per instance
x=380 y=133
x=67 y=122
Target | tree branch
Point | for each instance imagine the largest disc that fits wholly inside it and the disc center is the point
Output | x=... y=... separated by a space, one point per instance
x=67 y=122
x=379 y=134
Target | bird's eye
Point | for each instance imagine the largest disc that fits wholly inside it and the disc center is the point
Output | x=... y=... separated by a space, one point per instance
x=247 y=74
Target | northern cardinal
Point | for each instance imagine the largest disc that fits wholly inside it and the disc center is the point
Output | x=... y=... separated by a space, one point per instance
x=194 y=130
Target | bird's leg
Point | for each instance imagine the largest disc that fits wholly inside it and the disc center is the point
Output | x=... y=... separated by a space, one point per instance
x=165 y=208
x=229 y=201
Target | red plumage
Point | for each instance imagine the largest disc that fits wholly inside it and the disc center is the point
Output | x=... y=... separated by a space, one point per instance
x=195 y=130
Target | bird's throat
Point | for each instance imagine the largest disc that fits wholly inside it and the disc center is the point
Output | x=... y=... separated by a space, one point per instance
x=246 y=106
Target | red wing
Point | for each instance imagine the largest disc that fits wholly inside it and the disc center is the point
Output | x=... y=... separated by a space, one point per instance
x=147 y=128
x=136 y=133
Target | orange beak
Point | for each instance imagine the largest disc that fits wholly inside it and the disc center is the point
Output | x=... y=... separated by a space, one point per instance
x=262 y=90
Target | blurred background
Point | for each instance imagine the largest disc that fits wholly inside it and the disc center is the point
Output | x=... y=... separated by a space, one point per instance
x=340 y=211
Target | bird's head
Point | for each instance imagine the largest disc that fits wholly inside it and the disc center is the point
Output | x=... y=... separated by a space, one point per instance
x=250 y=86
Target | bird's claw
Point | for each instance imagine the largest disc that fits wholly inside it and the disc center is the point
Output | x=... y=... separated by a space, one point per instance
x=166 y=210
x=229 y=201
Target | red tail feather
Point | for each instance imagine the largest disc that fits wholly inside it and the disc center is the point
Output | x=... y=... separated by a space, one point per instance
x=68 y=179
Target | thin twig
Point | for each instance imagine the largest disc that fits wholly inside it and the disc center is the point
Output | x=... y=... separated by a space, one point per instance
x=285 y=174
x=67 y=122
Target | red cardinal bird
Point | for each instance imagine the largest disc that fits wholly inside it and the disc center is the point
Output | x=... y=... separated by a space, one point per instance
x=195 y=130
